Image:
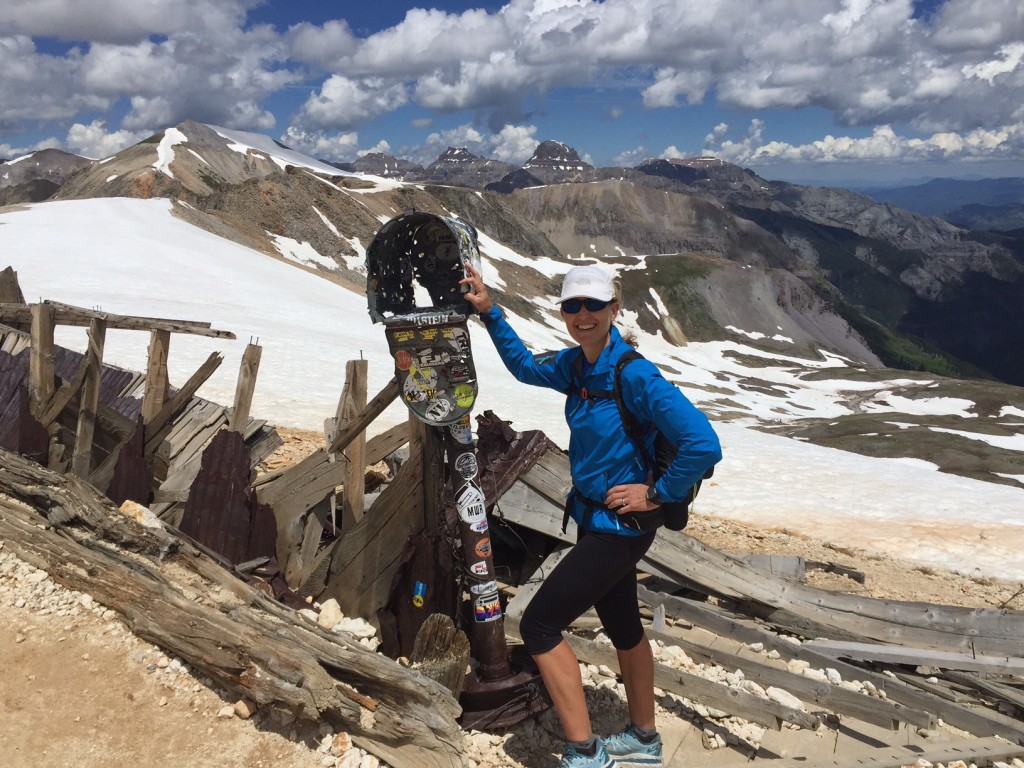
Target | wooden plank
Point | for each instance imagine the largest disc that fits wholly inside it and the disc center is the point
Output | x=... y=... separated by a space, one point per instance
x=300 y=564
x=351 y=404
x=373 y=409
x=245 y=387
x=1006 y=665
x=157 y=383
x=154 y=435
x=978 y=751
x=81 y=459
x=65 y=314
x=1006 y=693
x=718 y=621
x=379 y=447
x=10 y=290
x=370 y=553
x=59 y=400
x=41 y=360
x=880 y=712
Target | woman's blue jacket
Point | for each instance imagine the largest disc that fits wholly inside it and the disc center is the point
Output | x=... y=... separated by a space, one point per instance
x=601 y=454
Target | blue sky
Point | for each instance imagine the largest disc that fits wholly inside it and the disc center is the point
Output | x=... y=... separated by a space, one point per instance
x=833 y=91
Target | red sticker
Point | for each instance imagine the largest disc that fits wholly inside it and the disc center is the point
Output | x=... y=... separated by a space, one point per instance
x=403 y=360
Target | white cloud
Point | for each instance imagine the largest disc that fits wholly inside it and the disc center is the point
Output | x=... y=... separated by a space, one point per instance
x=867 y=62
x=515 y=143
x=337 y=147
x=1009 y=58
x=631 y=157
x=344 y=102
x=382 y=146
x=883 y=145
x=118 y=21
x=8 y=152
x=94 y=141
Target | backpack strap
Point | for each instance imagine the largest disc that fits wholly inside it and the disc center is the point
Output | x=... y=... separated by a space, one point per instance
x=634 y=428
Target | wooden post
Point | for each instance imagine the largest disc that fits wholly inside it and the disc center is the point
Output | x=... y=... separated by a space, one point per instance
x=10 y=291
x=40 y=366
x=353 y=401
x=157 y=385
x=245 y=387
x=81 y=461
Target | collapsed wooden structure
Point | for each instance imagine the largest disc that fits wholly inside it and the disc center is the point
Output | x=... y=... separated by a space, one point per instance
x=185 y=589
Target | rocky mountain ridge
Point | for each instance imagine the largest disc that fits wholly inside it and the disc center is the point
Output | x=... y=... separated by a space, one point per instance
x=881 y=275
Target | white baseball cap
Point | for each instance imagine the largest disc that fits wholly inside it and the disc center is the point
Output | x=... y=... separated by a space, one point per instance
x=589 y=282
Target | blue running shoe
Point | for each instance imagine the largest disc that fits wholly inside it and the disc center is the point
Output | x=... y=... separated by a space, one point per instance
x=573 y=759
x=627 y=749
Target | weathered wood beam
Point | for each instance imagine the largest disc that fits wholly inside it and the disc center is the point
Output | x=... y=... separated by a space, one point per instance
x=59 y=400
x=977 y=751
x=721 y=622
x=373 y=409
x=154 y=431
x=41 y=359
x=245 y=387
x=351 y=404
x=10 y=290
x=1004 y=665
x=65 y=314
x=81 y=459
x=246 y=643
x=880 y=712
x=157 y=383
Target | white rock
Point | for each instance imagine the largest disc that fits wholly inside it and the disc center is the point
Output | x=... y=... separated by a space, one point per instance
x=785 y=698
x=330 y=613
x=226 y=712
x=833 y=676
x=355 y=627
x=756 y=647
x=815 y=674
x=141 y=514
x=340 y=744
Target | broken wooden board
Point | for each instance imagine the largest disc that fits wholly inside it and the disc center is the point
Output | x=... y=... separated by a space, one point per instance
x=1004 y=665
x=248 y=644
x=978 y=751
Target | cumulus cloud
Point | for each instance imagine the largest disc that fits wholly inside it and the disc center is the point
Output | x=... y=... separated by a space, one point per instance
x=344 y=102
x=631 y=157
x=9 y=152
x=338 y=147
x=883 y=145
x=866 y=62
x=382 y=146
x=95 y=141
x=119 y=21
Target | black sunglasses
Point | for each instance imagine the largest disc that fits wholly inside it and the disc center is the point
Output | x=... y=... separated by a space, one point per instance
x=572 y=306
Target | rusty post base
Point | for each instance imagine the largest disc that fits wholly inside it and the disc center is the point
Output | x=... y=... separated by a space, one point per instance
x=489 y=705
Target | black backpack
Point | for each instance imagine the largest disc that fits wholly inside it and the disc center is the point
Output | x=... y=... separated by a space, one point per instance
x=672 y=514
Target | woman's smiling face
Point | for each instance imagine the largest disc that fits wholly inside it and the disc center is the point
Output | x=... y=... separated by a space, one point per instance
x=590 y=329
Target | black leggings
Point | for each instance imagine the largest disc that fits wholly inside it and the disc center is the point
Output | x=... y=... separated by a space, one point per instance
x=599 y=572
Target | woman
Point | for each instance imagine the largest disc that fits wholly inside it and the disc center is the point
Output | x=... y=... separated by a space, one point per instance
x=609 y=480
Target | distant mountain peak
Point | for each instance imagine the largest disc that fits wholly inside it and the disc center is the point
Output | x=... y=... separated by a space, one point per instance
x=556 y=155
x=454 y=155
